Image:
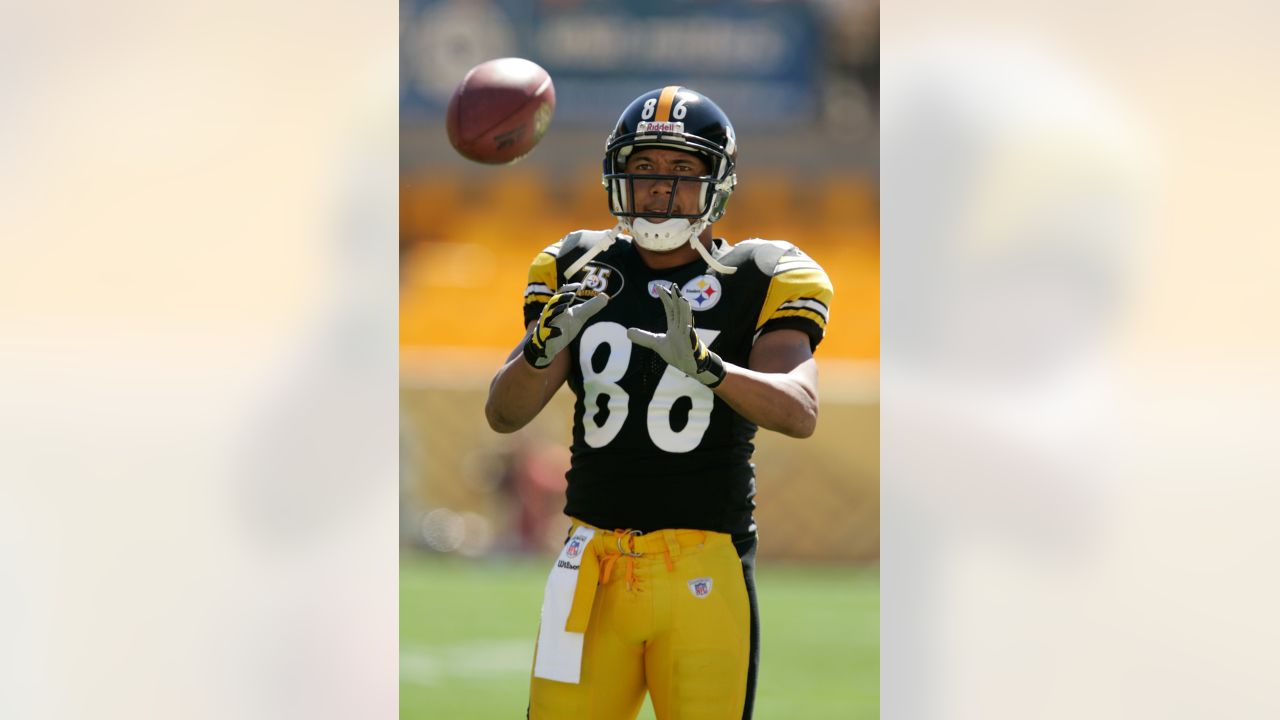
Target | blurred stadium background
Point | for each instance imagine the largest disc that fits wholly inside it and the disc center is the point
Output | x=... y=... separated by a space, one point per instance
x=480 y=511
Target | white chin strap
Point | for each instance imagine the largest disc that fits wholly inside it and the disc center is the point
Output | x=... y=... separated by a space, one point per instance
x=671 y=234
x=663 y=236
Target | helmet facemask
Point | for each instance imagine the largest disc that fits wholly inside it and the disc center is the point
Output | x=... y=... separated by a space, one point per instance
x=664 y=229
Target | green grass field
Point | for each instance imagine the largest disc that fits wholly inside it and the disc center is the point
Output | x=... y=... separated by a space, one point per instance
x=467 y=630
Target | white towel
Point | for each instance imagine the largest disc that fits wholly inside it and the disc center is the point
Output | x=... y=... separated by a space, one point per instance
x=559 y=655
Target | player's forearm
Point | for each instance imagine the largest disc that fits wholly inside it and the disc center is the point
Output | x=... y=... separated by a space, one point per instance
x=517 y=394
x=781 y=402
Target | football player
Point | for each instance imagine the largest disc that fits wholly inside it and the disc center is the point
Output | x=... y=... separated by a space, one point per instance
x=677 y=346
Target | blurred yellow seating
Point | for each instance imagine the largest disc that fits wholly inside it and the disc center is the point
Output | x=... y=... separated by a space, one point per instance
x=478 y=239
x=428 y=206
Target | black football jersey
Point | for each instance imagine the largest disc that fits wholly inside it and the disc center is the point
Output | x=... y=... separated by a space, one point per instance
x=652 y=447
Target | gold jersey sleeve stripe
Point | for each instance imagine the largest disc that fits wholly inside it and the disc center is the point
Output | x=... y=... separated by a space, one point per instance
x=543 y=272
x=665 y=100
x=805 y=304
x=806 y=314
x=796 y=287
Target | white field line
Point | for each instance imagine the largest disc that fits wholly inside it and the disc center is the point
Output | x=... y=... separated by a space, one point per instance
x=434 y=664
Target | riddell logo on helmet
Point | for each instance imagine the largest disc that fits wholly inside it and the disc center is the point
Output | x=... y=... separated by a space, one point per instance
x=659 y=127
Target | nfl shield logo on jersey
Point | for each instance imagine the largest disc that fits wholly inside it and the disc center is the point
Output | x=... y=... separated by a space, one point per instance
x=575 y=547
x=700 y=587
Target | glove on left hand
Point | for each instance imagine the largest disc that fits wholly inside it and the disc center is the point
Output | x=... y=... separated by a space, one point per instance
x=680 y=346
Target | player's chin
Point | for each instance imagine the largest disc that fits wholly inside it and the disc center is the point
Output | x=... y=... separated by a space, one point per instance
x=665 y=252
x=658 y=213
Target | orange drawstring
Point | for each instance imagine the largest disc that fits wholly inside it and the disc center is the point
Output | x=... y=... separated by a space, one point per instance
x=606 y=569
x=606 y=566
x=608 y=559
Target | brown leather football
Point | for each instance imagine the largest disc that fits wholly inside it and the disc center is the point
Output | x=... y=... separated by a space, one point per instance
x=500 y=110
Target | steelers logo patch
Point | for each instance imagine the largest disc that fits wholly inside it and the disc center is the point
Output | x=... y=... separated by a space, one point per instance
x=702 y=292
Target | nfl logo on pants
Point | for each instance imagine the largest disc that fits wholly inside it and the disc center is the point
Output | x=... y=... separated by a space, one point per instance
x=700 y=587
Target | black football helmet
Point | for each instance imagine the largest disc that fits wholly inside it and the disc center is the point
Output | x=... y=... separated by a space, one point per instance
x=682 y=119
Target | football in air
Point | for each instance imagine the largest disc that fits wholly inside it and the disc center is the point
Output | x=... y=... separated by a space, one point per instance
x=500 y=110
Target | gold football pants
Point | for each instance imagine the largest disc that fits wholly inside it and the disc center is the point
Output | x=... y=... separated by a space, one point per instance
x=670 y=614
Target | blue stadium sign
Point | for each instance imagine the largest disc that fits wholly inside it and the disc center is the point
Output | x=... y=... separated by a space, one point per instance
x=760 y=62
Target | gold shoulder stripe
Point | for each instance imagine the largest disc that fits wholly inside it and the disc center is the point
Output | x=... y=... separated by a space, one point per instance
x=801 y=292
x=542 y=273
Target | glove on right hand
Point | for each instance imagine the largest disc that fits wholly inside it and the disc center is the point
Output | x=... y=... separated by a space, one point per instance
x=562 y=319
